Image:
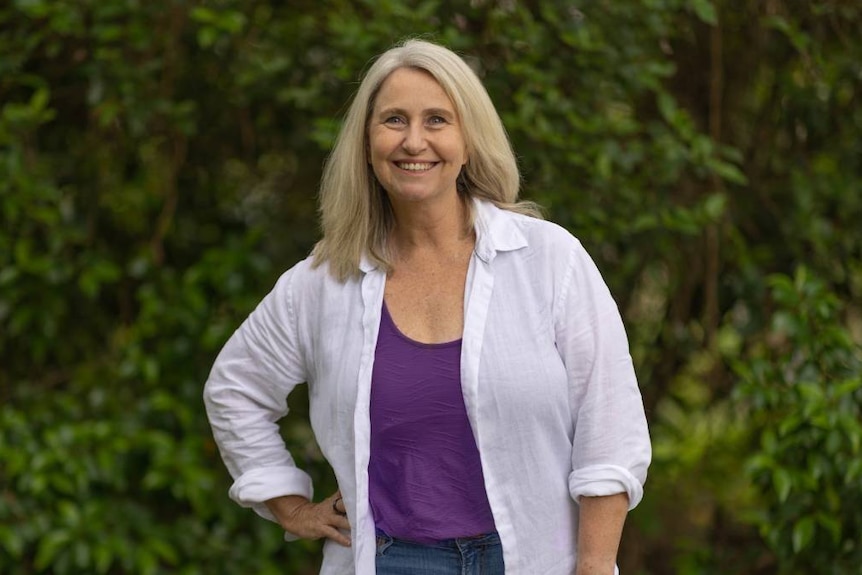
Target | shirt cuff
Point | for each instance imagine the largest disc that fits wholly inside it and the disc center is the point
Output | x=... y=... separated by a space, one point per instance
x=603 y=480
x=253 y=488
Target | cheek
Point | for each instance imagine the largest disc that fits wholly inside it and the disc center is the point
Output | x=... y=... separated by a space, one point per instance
x=378 y=147
x=458 y=149
x=376 y=167
x=378 y=164
x=372 y=154
x=462 y=154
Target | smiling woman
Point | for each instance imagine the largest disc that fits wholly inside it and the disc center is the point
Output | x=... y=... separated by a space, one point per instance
x=416 y=147
x=356 y=213
x=463 y=358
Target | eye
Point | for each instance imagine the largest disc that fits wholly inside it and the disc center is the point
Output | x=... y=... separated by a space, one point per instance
x=394 y=120
x=437 y=120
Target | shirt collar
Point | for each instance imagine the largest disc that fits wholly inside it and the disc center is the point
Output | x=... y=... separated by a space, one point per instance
x=496 y=232
x=366 y=265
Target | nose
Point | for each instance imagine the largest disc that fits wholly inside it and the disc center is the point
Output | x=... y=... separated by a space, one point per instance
x=414 y=139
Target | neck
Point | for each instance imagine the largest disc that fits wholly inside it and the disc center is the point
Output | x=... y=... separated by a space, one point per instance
x=431 y=227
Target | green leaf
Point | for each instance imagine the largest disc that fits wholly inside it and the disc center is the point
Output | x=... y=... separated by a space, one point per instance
x=803 y=533
x=705 y=11
x=11 y=541
x=783 y=482
x=50 y=546
x=714 y=206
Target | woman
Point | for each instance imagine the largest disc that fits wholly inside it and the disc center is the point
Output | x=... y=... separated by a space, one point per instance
x=469 y=375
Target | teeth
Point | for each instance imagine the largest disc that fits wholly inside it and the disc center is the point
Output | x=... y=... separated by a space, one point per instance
x=415 y=167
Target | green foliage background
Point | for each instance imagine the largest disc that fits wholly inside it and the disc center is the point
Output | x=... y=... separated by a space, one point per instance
x=158 y=170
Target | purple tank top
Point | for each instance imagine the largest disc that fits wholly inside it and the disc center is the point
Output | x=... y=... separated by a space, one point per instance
x=425 y=476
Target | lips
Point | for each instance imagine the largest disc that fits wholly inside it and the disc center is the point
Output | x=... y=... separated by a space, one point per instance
x=416 y=166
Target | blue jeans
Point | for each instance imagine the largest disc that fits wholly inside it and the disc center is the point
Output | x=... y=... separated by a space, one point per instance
x=481 y=555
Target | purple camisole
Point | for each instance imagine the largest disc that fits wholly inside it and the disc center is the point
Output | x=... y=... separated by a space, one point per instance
x=425 y=475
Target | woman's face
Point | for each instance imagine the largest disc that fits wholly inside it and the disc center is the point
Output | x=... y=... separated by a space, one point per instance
x=416 y=147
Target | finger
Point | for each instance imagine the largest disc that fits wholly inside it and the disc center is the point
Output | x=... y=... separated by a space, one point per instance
x=338 y=507
x=336 y=535
x=341 y=522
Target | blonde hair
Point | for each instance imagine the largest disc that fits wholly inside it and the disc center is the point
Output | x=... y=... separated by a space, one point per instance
x=356 y=216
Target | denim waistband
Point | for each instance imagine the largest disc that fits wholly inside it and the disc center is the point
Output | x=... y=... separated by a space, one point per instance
x=492 y=538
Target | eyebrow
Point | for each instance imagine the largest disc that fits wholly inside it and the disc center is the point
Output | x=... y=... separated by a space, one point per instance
x=428 y=112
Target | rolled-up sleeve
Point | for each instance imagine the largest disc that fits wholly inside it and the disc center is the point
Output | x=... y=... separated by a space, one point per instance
x=611 y=447
x=245 y=396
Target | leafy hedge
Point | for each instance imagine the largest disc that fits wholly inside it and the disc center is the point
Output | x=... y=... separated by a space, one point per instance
x=158 y=169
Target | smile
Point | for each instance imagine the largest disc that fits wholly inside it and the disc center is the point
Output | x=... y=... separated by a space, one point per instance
x=415 y=166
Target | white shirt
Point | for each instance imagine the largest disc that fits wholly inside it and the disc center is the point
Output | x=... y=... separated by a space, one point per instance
x=546 y=374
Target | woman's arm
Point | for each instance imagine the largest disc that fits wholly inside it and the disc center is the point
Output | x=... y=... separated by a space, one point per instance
x=611 y=447
x=245 y=396
x=599 y=531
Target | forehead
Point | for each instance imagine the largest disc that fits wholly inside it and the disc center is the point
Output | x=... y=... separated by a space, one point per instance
x=414 y=88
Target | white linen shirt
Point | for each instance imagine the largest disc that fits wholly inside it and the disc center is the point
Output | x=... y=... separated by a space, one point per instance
x=546 y=374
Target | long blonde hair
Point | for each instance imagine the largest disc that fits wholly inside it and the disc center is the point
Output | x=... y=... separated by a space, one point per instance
x=356 y=216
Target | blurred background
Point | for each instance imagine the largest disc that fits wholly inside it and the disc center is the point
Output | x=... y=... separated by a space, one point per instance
x=159 y=164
